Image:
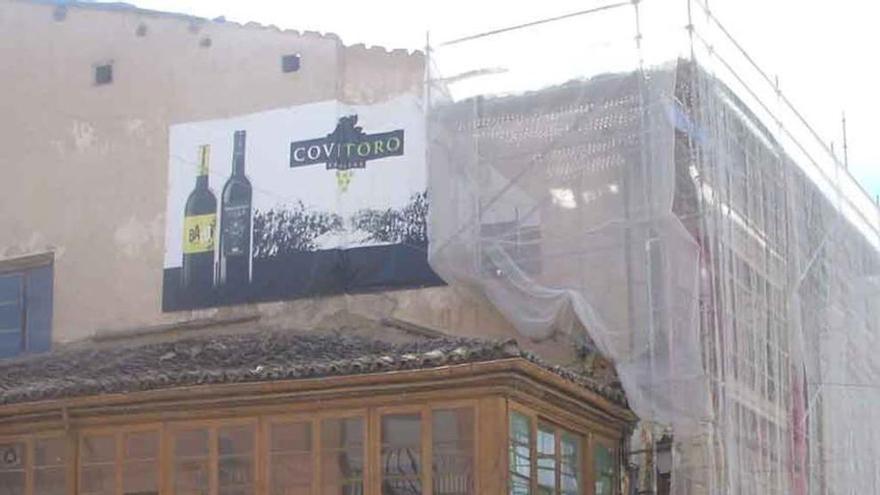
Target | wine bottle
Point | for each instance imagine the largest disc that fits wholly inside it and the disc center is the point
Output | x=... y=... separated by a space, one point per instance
x=199 y=225
x=235 y=221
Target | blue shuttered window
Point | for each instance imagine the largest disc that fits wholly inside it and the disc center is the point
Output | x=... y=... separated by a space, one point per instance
x=26 y=311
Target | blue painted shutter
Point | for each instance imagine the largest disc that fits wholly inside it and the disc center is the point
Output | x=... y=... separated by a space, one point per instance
x=39 y=309
x=11 y=314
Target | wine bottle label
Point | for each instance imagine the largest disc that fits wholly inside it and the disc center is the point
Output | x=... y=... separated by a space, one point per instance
x=198 y=233
x=236 y=230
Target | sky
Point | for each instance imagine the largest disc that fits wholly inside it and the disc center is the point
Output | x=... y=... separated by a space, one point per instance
x=821 y=52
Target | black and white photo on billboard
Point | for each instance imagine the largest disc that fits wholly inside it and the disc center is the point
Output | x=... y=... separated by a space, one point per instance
x=320 y=198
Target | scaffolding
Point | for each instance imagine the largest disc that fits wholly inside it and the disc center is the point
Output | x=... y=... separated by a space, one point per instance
x=627 y=178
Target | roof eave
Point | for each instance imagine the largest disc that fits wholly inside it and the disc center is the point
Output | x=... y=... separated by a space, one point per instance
x=509 y=376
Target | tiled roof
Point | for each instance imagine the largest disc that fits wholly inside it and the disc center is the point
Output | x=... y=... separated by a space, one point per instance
x=251 y=357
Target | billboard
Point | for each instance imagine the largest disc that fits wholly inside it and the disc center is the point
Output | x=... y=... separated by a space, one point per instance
x=314 y=199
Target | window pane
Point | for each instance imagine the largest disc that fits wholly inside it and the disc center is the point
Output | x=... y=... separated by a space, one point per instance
x=11 y=482
x=291 y=460
x=402 y=429
x=141 y=445
x=291 y=473
x=191 y=443
x=570 y=462
x=140 y=463
x=519 y=428
x=50 y=452
x=340 y=467
x=97 y=472
x=140 y=477
x=235 y=440
x=98 y=449
x=236 y=475
x=546 y=460
x=50 y=472
x=191 y=472
x=97 y=479
x=603 y=464
x=519 y=485
x=291 y=437
x=520 y=454
x=50 y=481
x=342 y=432
x=453 y=451
x=401 y=454
x=342 y=456
x=235 y=472
x=12 y=463
x=191 y=477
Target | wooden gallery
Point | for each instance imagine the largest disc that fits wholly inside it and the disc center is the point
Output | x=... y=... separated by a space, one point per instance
x=318 y=413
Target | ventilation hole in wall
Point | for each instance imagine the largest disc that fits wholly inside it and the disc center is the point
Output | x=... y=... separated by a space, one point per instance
x=141 y=30
x=205 y=42
x=103 y=74
x=60 y=13
x=290 y=63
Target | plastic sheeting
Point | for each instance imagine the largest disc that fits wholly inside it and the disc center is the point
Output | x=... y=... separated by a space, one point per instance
x=645 y=189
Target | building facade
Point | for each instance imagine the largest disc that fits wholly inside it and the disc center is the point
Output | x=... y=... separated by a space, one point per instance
x=143 y=356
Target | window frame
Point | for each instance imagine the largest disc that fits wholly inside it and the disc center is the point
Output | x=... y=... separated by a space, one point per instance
x=587 y=440
x=426 y=438
x=614 y=447
x=25 y=268
x=212 y=426
x=29 y=441
x=315 y=420
x=118 y=433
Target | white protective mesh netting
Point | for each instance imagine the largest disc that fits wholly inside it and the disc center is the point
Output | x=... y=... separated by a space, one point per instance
x=630 y=178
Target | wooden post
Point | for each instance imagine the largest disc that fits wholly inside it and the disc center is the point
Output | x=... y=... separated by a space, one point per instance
x=491 y=463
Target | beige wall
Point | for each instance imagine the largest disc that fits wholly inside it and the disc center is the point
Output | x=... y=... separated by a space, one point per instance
x=85 y=166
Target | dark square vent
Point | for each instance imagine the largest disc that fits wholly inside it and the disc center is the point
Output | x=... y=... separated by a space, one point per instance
x=103 y=74
x=290 y=63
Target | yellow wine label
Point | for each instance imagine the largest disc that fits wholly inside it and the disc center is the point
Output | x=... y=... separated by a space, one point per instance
x=198 y=233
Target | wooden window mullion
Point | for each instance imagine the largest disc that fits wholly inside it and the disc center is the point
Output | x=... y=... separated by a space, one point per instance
x=118 y=460
x=315 y=425
x=587 y=466
x=581 y=467
x=427 y=452
x=557 y=440
x=29 y=466
x=264 y=431
x=213 y=461
x=533 y=454
x=260 y=457
x=165 y=461
x=374 y=452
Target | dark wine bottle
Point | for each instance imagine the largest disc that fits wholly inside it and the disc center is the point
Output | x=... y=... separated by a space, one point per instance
x=235 y=221
x=199 y=226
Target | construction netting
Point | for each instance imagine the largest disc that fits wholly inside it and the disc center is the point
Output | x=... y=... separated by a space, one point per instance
x=628 y=178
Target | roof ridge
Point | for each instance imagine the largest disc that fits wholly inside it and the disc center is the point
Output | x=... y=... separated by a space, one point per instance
x=125 y=8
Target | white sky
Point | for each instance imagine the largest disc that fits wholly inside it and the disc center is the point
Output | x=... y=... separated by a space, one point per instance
x=821 y=51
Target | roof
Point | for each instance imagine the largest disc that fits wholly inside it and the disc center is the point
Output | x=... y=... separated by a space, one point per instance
x=251 y=357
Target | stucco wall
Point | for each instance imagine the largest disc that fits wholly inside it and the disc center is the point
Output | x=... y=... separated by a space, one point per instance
x=85 y=166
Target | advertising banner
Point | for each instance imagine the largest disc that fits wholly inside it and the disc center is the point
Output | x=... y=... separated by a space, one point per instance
x=320 y=198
